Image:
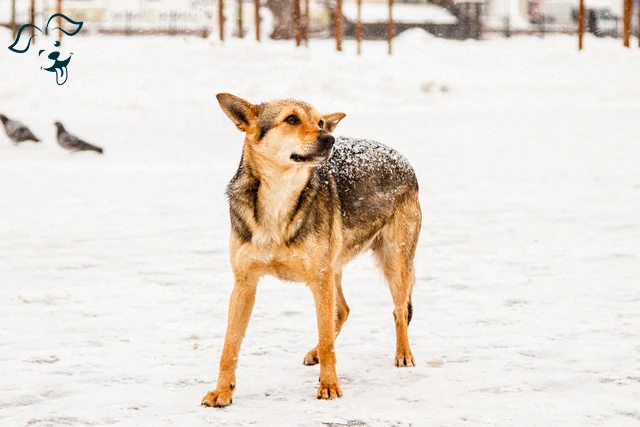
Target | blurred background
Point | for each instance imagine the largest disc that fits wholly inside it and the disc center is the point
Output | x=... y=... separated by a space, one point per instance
x=457 y=19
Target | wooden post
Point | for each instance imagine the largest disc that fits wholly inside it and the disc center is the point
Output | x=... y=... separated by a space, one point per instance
x=581 y=25
x=337 y=17
x=390 y=26
x=626 y=23
x=359 y=26
x=240 y=21
x=296 y=20
x=307 y=22
x=32 y=19
x=13 y=18
x=221 y=18
x=60 y=21
x=256 y=5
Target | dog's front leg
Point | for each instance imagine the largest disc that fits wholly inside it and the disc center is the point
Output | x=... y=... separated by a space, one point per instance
x=240 y=308
x=324 y=297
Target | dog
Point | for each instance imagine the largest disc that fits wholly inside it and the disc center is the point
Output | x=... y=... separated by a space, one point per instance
x=302 y=205
x=22 y=44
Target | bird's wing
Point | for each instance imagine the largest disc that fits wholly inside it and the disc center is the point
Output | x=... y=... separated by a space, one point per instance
x=75 y=143
x=18 y=131
x=14 y=126
x=24 y=134
x=71 y=141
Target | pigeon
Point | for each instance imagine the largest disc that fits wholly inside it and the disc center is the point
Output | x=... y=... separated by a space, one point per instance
x=73 y=143
x=16 y=131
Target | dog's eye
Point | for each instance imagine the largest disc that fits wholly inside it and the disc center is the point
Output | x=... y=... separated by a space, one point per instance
x=292 y=119
x=321 y=124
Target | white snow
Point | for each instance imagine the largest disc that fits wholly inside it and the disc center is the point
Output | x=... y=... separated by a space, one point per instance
x=114 y=271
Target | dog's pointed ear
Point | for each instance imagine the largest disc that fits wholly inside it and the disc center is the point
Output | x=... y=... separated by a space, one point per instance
x=242 y=113
x=332 y=120
x=67 y=26
x=23 y=39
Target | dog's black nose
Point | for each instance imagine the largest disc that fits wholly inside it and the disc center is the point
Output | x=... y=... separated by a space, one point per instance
x=326 y=142
x=54 y=55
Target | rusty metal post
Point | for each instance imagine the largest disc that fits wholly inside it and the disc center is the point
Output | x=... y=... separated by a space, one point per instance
x=32 y=19
x=221 y=19
x=296 y=20
x=390 y=26
x=307 y=22
x=359 y=26
x=256 y=5
x=626 y=23
x=13 y=18
x=581 y=25
x=240 y=20
x=59 y=21
x=337 y=25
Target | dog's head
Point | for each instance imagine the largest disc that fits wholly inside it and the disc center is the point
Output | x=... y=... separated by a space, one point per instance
x=52 y=52
x=284 y=133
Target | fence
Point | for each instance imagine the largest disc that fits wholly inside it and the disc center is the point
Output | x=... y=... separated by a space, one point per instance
x=468 y=23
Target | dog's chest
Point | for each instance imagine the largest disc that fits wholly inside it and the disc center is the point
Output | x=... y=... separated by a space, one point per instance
x=268 y=249
x=278 y=260
x=274 y=222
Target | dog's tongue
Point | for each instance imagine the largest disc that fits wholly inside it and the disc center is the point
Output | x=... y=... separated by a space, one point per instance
x=61 y=75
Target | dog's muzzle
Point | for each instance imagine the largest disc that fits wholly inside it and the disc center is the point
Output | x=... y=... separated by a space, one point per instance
x=325 y=150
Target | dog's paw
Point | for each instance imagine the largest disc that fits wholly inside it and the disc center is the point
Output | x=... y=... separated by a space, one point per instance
x=329 y=391
x=218 y=398
x=405 y=360
x=311 y=358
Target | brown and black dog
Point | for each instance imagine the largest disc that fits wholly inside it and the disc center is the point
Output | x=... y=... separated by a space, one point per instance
x=302 y=206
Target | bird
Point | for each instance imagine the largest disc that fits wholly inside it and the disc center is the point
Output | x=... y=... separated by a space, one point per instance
x=16 y=131
x=73 y=143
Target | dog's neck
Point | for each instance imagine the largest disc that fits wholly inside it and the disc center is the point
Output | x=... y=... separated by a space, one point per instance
x=278 y=193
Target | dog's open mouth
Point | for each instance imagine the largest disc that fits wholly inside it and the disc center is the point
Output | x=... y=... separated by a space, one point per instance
x=60 y=68
x=312 y=158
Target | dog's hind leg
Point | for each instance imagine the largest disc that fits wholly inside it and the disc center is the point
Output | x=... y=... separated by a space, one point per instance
x=342 y=313
x=395 y=249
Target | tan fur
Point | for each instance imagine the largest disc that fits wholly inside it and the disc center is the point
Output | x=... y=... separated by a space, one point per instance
x=318 y=258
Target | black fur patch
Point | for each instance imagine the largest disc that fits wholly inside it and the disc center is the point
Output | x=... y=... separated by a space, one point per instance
x=410 y=310
x=239 y=226
x=238 y=112
x=242 y=192
x=264 y=128
x=253 y=193
x=308 y=191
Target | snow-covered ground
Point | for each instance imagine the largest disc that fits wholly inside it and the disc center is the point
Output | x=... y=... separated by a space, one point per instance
x=114 y=275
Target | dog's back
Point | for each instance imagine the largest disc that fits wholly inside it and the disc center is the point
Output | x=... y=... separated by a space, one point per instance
x=372 y=181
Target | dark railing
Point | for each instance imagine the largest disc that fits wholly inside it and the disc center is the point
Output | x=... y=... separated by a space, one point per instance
x=469 y=24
